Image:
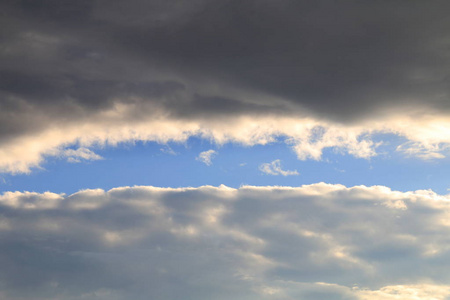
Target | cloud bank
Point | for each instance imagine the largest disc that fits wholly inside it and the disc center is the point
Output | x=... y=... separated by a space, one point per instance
x=317 y=241
x=317 y=75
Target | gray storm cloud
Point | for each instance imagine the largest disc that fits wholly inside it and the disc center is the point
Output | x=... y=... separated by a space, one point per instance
x=312 y=242
x=66 y=64
x=338 y=59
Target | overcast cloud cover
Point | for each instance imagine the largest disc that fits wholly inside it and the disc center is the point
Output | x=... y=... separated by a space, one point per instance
x=318 y=241
x=352 y=76
x=317 y=73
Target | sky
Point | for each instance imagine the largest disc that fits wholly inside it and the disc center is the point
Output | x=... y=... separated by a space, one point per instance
x=221 y=149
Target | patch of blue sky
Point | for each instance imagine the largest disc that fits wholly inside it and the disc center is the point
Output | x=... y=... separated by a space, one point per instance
x=175 y=165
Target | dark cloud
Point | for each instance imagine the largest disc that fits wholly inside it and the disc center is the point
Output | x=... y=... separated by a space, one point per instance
x=67 y=63
x=338 y=59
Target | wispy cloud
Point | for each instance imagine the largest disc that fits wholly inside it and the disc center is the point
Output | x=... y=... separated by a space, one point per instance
x=168 y=150
x=274 y=168
x=77 y=155
x=207 y=156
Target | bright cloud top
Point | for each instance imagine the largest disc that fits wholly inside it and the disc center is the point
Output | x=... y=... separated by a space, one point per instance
x=318 y=241
x=427 y=136
x=274 y=168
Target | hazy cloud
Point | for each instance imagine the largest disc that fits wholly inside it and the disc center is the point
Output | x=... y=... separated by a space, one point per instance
x=168 y=150
x=317 y=241
x=207 y=156
x=274 y=168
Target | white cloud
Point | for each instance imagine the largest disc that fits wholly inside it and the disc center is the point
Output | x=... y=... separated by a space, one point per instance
x=318 y=241
x=427 y=135
x=426 y=152
x=413 y=292
x=274 y=168
x=207 y=156
x=75 y=156
x=168 y=150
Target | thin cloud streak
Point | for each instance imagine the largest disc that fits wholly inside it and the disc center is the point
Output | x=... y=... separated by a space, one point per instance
x=77 y=155
x=274 y=168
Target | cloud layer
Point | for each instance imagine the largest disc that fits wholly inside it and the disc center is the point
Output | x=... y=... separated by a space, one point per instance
x=316 y=74
x=318 y=241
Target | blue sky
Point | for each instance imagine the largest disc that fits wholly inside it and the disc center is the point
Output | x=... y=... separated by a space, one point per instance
x=176 y=165
x=224 y=149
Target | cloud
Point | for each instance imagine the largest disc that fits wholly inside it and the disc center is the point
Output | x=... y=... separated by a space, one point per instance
x=345 y=61
x=76 y=155
x=421 y=291
x=141 y=121
x=206 y=156
x=274 y=168
x=168 y=150
x=318 y=241
x=86 y=73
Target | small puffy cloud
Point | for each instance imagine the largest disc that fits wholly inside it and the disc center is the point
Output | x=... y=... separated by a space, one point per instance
x=207 y=156
x=315 y=242
x=77 y=155
x=274 y=168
